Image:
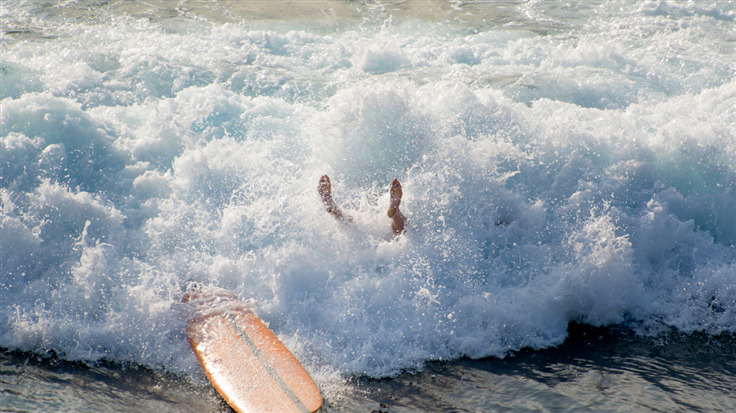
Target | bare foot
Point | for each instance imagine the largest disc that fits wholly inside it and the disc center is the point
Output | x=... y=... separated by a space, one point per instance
x=397 y=224
x=324 y=188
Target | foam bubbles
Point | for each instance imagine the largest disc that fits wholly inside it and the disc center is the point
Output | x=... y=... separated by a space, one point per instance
x=585 y=173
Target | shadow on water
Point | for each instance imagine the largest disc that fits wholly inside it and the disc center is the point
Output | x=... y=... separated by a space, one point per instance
x=43 y=383
x=596 y=369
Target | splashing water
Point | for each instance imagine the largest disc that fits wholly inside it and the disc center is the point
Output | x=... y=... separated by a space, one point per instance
x=558 y=165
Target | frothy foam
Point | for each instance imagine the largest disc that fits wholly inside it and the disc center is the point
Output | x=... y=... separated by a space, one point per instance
x=566 y=176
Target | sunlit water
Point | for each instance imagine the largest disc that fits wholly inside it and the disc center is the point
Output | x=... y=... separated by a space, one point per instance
x=561 y=162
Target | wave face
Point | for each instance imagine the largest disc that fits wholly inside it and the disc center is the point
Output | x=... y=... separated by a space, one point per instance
x=557 y=164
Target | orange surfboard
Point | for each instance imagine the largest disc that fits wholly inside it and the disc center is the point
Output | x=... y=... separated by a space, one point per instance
x=246 y=363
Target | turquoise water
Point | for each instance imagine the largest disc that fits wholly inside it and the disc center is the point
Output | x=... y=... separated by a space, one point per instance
x=561 y=162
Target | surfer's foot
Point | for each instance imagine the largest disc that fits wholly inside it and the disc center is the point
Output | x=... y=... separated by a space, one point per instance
x=324 y=188
x=398 y=220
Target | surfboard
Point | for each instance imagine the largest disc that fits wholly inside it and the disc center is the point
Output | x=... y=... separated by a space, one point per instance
x=245 y=362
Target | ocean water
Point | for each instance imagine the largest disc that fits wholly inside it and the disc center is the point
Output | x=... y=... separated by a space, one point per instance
x=562 y=162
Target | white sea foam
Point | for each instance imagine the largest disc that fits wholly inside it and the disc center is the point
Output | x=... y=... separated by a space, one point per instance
x=584 y=171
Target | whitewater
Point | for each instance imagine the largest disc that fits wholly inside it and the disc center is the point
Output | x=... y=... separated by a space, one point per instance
x=560 y=163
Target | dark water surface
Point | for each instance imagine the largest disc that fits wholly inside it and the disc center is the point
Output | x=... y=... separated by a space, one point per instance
x=594 y=370
x=32 y=383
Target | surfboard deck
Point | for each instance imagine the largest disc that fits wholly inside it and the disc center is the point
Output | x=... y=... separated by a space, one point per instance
x=245 y=362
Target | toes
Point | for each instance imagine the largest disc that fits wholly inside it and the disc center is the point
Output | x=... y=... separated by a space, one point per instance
x=396 y=189
x=324 y=187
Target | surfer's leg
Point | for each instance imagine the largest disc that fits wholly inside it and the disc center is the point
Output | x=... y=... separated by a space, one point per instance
x=325 y=191
x=397 y=218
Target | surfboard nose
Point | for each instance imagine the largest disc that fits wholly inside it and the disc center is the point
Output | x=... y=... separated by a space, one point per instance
x=246 y=363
